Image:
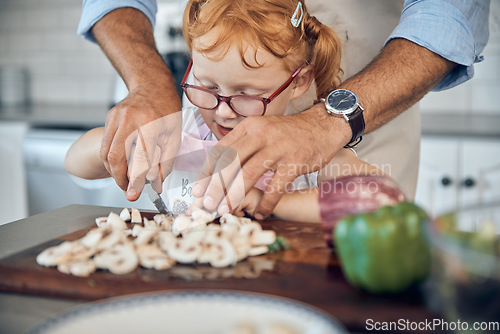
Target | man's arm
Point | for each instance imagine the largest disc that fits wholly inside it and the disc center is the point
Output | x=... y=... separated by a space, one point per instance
x=126 y=37
x=394 y=81
x=457 y=30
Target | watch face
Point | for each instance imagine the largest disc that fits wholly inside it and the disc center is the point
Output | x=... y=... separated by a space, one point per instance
x=342 y=101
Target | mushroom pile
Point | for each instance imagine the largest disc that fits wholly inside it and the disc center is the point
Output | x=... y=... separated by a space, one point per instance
x=159 y=243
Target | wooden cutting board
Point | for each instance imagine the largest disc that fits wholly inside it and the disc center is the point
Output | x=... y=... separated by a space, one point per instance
x=308 y=272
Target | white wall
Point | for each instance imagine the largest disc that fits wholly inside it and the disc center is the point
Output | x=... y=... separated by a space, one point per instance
x=64 y=68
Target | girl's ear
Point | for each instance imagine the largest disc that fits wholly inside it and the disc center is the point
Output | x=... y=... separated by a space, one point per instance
x=303 y=81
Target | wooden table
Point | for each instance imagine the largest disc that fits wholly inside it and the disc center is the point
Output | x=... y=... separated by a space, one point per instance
x=309 y=272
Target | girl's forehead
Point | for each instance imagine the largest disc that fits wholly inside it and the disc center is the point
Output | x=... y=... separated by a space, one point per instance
x=230 y=72
x=247 y=52
x=231 y=64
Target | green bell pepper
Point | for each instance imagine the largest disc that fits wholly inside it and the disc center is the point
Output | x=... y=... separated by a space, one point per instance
x=386 y=250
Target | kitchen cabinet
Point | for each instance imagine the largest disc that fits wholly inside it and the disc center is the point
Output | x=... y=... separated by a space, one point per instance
x=457 y=172
x=49 y=186
x=13 y=205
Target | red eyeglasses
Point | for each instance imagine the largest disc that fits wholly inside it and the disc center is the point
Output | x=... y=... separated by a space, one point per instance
x=243 y=105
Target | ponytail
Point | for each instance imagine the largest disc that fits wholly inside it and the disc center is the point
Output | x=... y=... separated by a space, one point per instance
x=325 y=48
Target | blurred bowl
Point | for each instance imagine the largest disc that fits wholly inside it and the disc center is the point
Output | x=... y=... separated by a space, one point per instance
x=466 y=267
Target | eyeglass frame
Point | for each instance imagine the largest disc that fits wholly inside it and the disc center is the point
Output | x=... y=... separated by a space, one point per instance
x=227 y=99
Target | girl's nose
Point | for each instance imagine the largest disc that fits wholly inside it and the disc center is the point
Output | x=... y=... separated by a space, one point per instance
x=225 y=111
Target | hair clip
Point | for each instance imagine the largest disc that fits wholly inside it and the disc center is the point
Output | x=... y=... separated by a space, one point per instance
x=296 y=21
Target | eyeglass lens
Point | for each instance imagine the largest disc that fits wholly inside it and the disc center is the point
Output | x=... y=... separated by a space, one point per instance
x=242 y=105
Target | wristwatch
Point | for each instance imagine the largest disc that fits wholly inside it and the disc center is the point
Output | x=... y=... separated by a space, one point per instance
x=344 y=103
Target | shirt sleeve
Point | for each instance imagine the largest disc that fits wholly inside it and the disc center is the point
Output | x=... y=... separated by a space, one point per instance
x=455 y=29
x=94 y=10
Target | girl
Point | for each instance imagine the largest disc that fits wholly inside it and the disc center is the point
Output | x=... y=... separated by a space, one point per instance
x=249 y=58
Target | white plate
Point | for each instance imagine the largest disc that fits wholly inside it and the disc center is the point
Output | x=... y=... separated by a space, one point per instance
x=193 y=312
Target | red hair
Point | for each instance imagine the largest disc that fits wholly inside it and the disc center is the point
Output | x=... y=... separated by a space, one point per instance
x=266 y=24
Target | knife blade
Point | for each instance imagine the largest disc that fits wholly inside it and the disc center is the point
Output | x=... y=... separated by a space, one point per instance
x=157 y=201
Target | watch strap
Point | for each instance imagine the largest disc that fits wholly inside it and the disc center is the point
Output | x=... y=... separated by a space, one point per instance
x=357 y=124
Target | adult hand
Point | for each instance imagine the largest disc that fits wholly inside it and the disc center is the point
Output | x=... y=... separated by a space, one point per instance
x=141 y=139
x=288 y=145
x=126 y=37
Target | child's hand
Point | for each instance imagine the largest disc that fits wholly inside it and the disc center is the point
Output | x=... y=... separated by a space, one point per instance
x=249 y=204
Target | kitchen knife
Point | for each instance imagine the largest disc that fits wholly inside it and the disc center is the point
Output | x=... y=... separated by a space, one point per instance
x=157 y=201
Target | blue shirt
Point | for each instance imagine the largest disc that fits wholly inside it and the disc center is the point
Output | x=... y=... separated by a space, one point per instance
x=455 y=29
x=94 y=10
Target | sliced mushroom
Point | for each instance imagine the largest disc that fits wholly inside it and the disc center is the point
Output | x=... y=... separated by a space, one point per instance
x=214 y=235
x=55 y=255
x=146 y=237
x=110 y=238
x=136 y=216
x=125 y=215
x=208 y=251
x=159 y=243
x=201 y=216
x=230 y=219
x=258 y=250
x=198 y=229
x=195 y=236
x=249 y=229
x=181 y=222
x=137 y=229
x=120 y=259
x=241 y=246
x=230 y=230
x=150 y=224
x=151 y=257
x=213 y=227
x=100 y=220
x=224 y=254
x=163 y=221
x=166 y=239
x=92 y=238
x=245 y=220
x=81 y=252
x=266 y=237
x=116 y=222
x=184 y=252
x=81 y=268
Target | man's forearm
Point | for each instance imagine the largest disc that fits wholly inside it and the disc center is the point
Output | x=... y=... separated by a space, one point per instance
x=395 y=80
x=126 y=37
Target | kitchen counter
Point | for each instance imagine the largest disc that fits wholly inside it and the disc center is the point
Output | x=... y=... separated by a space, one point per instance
x=56 y=115
x=308 y=272
x=20 y=312
x=482 y=125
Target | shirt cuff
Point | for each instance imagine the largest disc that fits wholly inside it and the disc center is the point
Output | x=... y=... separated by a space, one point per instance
x=441 y=28
x=94 y=10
